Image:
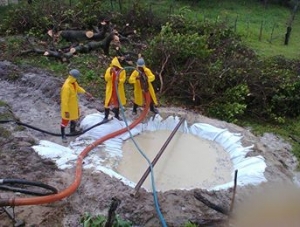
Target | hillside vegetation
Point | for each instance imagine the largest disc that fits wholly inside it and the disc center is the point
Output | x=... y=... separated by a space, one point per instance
x=262 y=28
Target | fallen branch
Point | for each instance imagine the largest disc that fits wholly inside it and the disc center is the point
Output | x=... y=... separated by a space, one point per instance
x=211 y=205
x=65 y=56
x=160 y=74
x=93 y=45
x=220 y=209
x=192 y=85
x=111 y=216
x=129 y=57
x=80 y=35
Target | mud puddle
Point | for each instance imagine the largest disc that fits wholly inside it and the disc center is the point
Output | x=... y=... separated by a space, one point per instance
x=188 y=161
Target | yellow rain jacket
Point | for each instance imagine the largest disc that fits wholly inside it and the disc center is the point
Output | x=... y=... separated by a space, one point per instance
x=138 y=94
x=69 y=98
x=109 y=82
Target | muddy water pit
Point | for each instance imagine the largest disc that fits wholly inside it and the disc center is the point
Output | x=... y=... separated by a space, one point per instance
x=187 y=162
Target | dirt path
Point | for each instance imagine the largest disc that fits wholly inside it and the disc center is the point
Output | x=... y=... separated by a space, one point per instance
x=34 y=99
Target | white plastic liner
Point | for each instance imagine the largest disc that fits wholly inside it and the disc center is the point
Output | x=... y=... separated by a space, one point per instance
x=105 y=157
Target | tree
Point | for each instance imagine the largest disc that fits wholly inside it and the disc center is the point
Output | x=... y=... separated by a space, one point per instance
x=289 y=25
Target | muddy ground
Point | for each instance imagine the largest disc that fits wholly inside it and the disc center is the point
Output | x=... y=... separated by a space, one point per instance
x=33 y=98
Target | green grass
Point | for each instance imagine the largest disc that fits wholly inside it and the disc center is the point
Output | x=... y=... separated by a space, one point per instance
x=246 y=18
x=88 y=64
x=261 y=28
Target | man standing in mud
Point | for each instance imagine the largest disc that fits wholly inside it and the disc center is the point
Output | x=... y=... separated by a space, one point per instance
x=69 y=102
x=114 y=74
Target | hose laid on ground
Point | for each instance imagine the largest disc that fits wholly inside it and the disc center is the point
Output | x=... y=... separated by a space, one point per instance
x=51 y=133
x=13 y=201
x=161 y=217
x=9 y=185
x=78 y=174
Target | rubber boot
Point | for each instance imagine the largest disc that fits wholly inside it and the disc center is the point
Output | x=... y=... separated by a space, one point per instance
x=134 y=109
x=106 y=113
x=63 y=135
x=73 y=127
x=153 y=109
x=116 y=110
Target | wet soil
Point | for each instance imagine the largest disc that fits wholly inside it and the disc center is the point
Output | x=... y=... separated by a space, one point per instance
x=32 y=96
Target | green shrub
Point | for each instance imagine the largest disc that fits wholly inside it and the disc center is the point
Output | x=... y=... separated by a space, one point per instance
x=274 y=89
x=231 y=104
x=99 y=221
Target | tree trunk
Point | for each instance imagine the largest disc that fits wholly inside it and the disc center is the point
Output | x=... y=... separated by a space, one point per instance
x=289 y=27
x=287 y=35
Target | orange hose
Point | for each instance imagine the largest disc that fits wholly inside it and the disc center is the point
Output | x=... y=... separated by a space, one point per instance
x=78 y=173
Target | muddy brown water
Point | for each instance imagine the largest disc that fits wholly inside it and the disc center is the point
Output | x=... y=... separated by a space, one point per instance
x=188 y=161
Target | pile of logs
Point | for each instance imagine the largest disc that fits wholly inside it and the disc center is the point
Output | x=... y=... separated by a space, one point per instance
x=81 y=41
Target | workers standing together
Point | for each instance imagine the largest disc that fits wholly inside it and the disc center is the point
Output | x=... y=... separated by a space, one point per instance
x=115 y=77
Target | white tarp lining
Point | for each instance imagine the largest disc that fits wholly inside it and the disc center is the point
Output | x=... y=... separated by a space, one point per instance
x=250 y=169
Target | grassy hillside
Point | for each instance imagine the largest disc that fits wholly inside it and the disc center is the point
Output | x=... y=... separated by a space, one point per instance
x=262 y=28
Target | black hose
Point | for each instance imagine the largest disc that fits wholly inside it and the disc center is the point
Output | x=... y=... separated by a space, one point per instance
x=8 y=185
x=51 y=133
x=4 y=182
x=6 y=121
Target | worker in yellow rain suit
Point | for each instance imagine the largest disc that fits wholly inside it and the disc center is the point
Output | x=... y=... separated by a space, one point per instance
x=69 y=102
x=114 y=74
x=141 y=78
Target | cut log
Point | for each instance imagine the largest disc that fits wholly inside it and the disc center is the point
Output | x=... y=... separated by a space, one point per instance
x=80 y=35
x=65 y=56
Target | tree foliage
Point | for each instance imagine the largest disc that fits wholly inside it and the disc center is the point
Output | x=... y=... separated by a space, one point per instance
x=208 y=67
x=40 y=16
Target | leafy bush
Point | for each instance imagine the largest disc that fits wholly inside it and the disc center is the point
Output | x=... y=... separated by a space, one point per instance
x=24 y=17
x=202 y=69
x=275 y=89
x=180 y=55
x=213 y=70
x=190 y=224
x=231 y=104
x=140 y=18
x=37 y=18
x=99 y=221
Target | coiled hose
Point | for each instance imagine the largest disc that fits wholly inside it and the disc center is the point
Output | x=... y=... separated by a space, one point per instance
x=9 y=185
